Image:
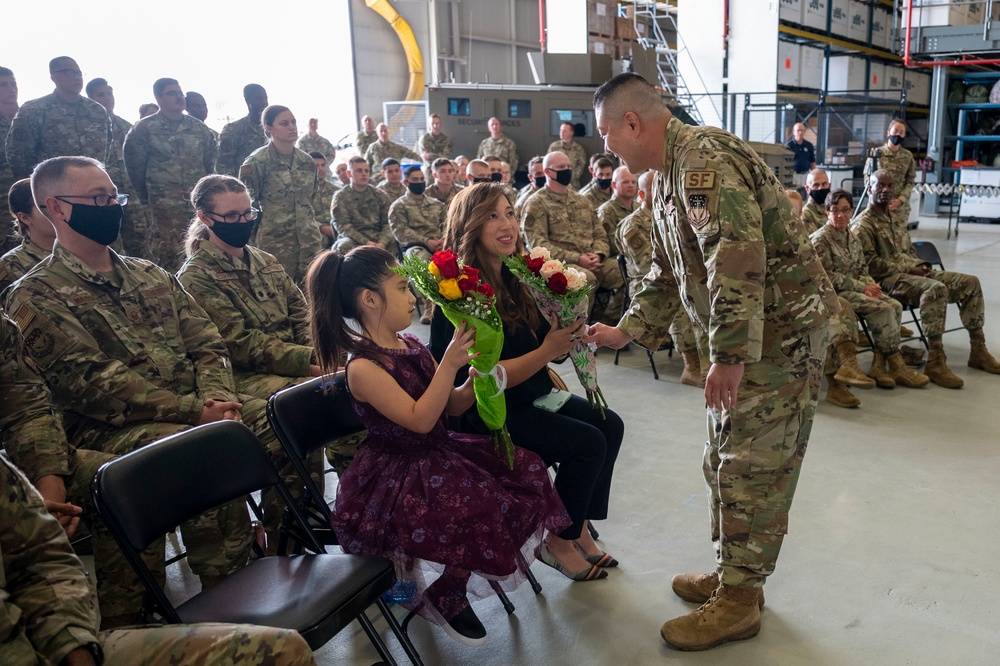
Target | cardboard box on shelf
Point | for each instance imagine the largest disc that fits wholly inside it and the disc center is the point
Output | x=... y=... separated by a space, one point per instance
x=858 y=21
x=791 y=11
x=939 y=12
x=814 y=14
x=789 y=57
x=625 y=30
x=881 y=25
x=918 y=87
x=894 y=81
x=601 y=17
x=840 y=17
x=811 y=64
x=876 y=80
x=601 y=45
x=847 y=74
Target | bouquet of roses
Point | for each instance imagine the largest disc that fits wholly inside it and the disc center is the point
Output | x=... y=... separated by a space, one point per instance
x=457 y=290
x=562 y=295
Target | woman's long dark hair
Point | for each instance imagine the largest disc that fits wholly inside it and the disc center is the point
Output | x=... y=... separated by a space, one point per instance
x=333 y=284
x=468 y=213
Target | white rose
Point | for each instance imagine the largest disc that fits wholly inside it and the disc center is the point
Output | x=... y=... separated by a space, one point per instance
x=540 y=253
x=550 y=268
x=575 y=279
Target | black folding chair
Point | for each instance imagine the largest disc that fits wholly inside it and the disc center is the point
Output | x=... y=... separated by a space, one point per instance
x=626 y=301
x=147 y=493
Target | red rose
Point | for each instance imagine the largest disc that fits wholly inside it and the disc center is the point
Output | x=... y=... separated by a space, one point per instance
x=557 y=283
x=485 y=290
x=472 y=274
x=447 y=264
x=535 y=265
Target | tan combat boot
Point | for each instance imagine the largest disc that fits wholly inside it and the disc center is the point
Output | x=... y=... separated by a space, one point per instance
x=878 y=373
x=937 y=368
x=903 y=375
x=849 y=372
x=838 y=394
x=980 y=357
x=698 y=588
x=692 y=369
x=912 y=355
x=905 y=332
x=731 y=614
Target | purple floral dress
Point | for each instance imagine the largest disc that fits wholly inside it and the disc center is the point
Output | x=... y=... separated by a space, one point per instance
x=443 y=498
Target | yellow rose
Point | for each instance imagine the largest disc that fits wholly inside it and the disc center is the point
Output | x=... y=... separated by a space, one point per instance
x=450 y=289
x=435 y=271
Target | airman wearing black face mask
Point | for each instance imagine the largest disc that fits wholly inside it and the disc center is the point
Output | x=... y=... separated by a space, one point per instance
x=899 y=163
x=817 y=187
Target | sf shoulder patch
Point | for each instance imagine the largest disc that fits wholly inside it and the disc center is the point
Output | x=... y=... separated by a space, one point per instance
x=699 y=180
x=697 y=211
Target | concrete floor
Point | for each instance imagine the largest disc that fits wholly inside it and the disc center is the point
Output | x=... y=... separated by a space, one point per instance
x=891 y=536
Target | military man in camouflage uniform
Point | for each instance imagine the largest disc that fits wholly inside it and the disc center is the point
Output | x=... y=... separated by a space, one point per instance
x=892 y=261
x=384 y=149
x=899 y=163
x=63 y=123
x=417 y=223
x=367 y=136
x=165 y=155
x=241 y=137
x=35 y=230
x=564 y=222
x=573 y=150
x=443 y=189
x=496 y=176
x=392 y=184
x=598 y=190
x=622 y=203
x=435 y=143
x=324 y=199
x=135 y=226
x=536 y=181
x=8 y=109
x=633 y=237
x=360 y=213
x=197 y=107
x=817 y=189
x=312 y=142
x=50 y=617
x=498 y=144
x=728 y=248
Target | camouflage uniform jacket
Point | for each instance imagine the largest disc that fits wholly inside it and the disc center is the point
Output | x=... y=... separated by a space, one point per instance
x=32 y=430
x=47 y=127
x=362 y=216
x=166 y=158
x=324 y=200
x=903 y=169
x=727 y=245
x=414 y=220
x=6 y=176
x=261 y=314
x=577 y=158
x=565 y=224
x=813 y=216
x=504 y=148
x=595 y=195
x=611 y=213
x=435 y=193
x=842 y=257
x=364 y=139
x=19 y=261
x=237 y=140
x=379 y=151
x=437 y=146
x=118 y=349
x=632 y=236
x=392 y=191
x=522 y=198
x=47 y=605
x=320 y=144
x=885 y=242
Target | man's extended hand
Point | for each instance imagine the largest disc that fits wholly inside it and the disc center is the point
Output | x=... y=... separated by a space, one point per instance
x=607 y=336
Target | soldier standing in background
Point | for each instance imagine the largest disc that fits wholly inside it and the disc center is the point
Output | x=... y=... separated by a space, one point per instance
x=898 y=162
x=165 y=155
x=8 y=109
x=241 y=137
x=135 y=225
x=324 y=199
x=434 y=144
x=383 y=149
x=63 y=123
x=282 y=180
x=367 y=136
x=725 y=244
x=360 y=213
x=625 y=186
x=573 y=150
x=312 y=142
x=498 y=144
x=196 y=107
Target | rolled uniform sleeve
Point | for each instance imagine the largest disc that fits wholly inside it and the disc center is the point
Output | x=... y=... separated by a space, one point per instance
x=656 y=303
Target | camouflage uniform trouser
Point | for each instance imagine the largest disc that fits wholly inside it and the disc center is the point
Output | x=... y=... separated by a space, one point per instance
x=843 y=328
x=205 y=644
x=687 y=337
x=882 y=316
x=607 y=276
x=754 y=455
x=932 y=295
x=168 y=222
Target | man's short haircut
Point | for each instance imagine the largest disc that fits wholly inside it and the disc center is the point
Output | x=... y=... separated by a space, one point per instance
x=537 y=159
x=603 y=163
x=49 y=175
x=93 y=85
x=161 y=84
x=644 y=179
x=598 y=156
x=6 y=72
x=145 y=107
x=56 y=63
x=616 y=176
x=388 y=162
x=627 y=92
x=811 y=176
x=836 y=196
x=434 y=115
x=478 y=163
x=440 y=162
x=316 y=155
x=410 y=169
x=895 y=121
x=357 y=159
x=490 y=158
x=189 y=94
x=252 y=88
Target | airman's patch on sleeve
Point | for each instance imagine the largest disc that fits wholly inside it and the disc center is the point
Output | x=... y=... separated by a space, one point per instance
x=699 y=180
x=39 y=343
x=697 y=210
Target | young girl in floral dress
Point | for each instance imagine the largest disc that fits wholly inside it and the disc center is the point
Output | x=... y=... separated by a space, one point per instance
x=442 y=505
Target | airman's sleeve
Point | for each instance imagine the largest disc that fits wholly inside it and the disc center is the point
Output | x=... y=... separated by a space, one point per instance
x=399 y=224
x=602 y=244
x=909 y=179
x=226 y=159
x=22 y=142
x=656 y=303
x=206 y=348
x=298 y=313
x=385 y=235
x=342 y=217
x=211 y=154
x=136 y=151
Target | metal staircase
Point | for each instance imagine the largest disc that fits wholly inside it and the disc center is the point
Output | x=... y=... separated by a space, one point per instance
x=663 y=19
